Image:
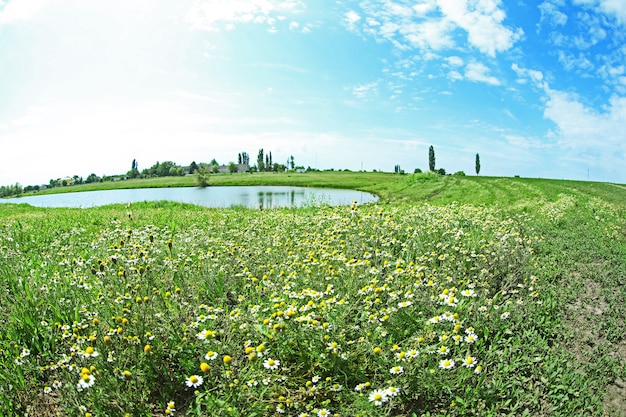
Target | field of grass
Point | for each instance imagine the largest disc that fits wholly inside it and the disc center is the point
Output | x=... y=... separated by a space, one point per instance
x=459 y=296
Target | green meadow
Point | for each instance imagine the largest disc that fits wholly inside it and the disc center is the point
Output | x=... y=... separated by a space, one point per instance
x=452 y=296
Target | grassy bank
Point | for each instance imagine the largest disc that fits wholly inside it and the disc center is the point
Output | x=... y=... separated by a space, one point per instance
x=453 y=296
x=329 y=179
x=505 y=192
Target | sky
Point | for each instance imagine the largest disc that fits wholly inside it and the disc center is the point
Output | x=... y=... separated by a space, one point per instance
x=536 y=88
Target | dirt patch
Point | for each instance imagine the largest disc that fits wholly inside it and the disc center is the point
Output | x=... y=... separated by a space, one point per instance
x=615 y=399
x=584 y=320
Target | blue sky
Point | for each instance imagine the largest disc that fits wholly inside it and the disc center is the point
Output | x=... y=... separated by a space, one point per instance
x=538 y=89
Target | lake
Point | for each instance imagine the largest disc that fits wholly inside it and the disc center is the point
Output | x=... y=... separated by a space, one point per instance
x=217 y=197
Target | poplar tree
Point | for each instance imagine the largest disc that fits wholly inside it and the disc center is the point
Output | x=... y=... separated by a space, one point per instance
x=431 y=158
x=477 y=164
x=259 y=161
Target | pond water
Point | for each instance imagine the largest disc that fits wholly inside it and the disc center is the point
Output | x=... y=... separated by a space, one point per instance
x=219 y=197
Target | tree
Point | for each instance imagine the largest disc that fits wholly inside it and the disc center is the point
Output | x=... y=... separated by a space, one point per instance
x=279 y=167
x=477 y=164
x=11 y=190
x=243 y=158
x=202 y=175
x=232 y=167
x=176 y=171
x=431 y=158
x=133 y=173
x=259 y=161
x=215 y=168
x=193 y=167
x=91 y=178
x=292 y=162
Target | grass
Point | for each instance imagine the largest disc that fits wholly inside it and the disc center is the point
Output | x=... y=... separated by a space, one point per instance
x=453 y=296
x=391 y=187
x=329 y=179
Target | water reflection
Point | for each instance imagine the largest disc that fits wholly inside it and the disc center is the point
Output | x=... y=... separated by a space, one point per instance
x=245 y=196
x=292 y=197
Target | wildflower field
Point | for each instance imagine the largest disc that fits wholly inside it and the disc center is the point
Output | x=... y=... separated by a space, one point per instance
x=398 y=309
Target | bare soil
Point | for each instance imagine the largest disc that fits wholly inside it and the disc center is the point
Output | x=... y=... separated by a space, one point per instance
x=584 y=320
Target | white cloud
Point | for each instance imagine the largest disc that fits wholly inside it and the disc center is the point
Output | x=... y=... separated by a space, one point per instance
x=209 y=14
x=364 y=91
x=482 y=20
x=372 y=22
x=425 y=7
x=479 y=72
x=593 y=32
x=434 y=24
x=193 y=96
x=550 y=12
x=399 y=9
x=571 y=62
x=454 y=61
x=14 y=10
x=584 y=128
x=586 y=135
x=526 y=142
x=535 y=76
x=586 y=26
x=351 y=18
x=614 y=8
x=582 y=133
x=455 y=76
x=434 y=34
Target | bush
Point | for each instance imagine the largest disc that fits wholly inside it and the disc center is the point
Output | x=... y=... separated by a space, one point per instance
x=460 y=173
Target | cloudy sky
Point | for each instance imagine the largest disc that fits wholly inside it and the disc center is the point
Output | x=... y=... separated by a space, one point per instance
x=538 y=89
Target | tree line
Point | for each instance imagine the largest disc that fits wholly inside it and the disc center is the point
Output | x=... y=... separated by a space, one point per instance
x=433 y=168
x=442 y=171
x=265 y=163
